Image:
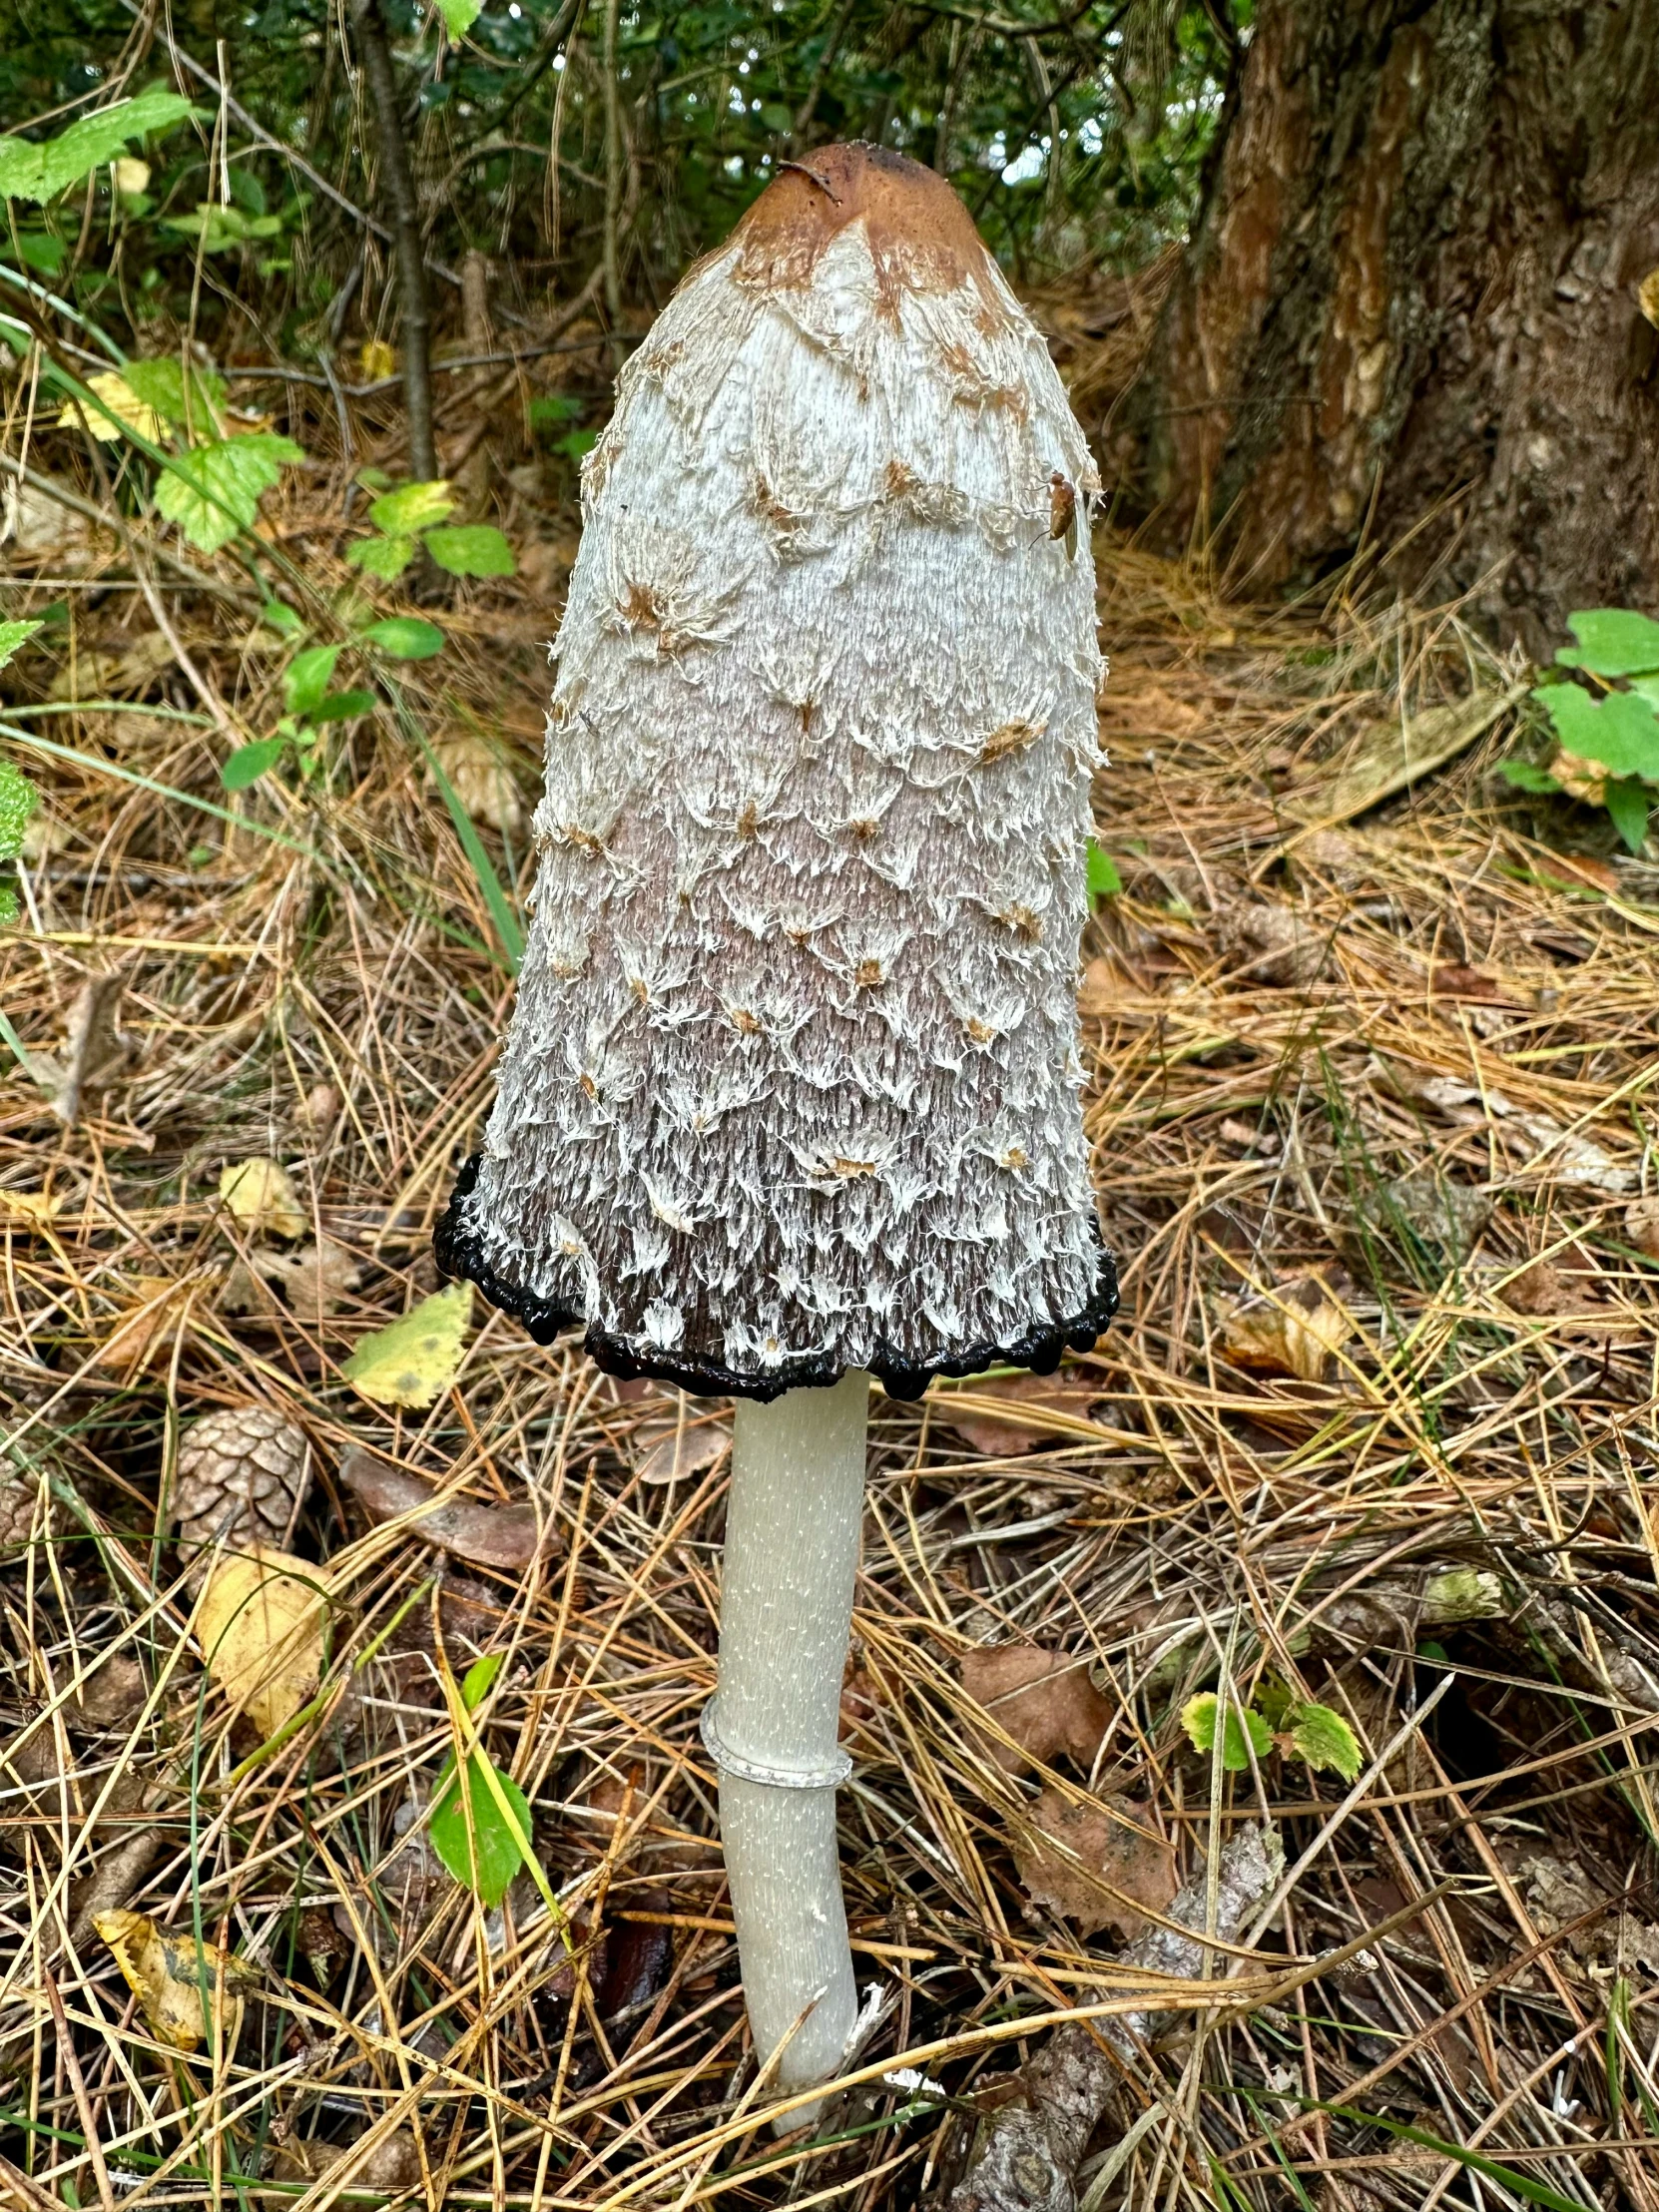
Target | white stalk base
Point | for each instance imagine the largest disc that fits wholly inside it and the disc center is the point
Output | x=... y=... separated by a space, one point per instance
x=791 y=1552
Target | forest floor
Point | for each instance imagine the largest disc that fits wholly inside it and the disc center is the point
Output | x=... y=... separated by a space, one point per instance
x=1370 y=1113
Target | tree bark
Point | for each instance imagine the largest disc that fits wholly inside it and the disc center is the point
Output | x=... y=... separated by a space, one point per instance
x=1412 y=312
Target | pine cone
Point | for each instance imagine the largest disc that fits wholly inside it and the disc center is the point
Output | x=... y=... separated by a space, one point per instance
x=243 y=1474
x=18 y=1496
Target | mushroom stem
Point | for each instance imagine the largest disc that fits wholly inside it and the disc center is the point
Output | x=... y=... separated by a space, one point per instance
x=791 y=1552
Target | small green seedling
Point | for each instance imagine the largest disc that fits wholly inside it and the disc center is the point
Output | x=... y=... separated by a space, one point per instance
x=313 y=708
x=1104 y=882
x=1607 y=726
x=417 y=515
x=483 y=1832
x=1275 y=1721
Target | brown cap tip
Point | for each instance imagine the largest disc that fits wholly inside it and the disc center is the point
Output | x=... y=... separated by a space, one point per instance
x=920 y=235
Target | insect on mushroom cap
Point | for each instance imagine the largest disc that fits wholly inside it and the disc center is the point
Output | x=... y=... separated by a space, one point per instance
x=791 y=1085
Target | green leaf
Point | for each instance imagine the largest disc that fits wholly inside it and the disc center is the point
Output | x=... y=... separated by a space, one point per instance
x=501 y=1849
x=283 y=620
x=14 y=633
x=307 y=678
x=214 y=492
x=577 y=445
x=1103 y=879
x=405 y=638
x=1627 y=803
x=41 y=252
x=1197 y=1718
x=1527 y=777
x=412 y=507
x=553 y=407
x=776 y=116
x=18 y=801
x=1612 y=641
x=250 y=761
x=162 y=384
x=344 y=705
x=471 y=549
x=1273 y=1701
x=480 y=1678
x=1620 y=731
x=460 y=15
x=41 y=172
x=219 y=228
x=382 y=557
x=1324 y=1739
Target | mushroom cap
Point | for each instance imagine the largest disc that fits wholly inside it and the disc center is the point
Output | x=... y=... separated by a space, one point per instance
x=791 y=1085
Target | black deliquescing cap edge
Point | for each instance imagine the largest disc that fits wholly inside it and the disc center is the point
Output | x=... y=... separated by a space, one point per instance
x=456 y=1249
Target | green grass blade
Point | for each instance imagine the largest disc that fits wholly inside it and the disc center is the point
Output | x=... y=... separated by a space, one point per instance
x=507 y=927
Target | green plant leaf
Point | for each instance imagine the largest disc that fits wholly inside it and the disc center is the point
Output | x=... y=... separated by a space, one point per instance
x=479 y=1677
x=1324 y=1739
x=41 y=252
x=307 y=678
x=214 y=492
x=1612 y=641
x=577 y=444
x=1273 y=1701
x=553 y=407
x=40 y=172
x=14 y=633
x=405 y=638
x=1527 y=777
x=163 y=385
x=250 y=761
x=501 y=1849
x=283 y=620
x=1103 y=879
x=1620 y=731
x=460 y=15
x=471 y=549
x=219 y=228
x=1197 y=1718
x=344 y=705
x=381 y=557
x=18 y=801
x=412 y=507
x=1627 y=803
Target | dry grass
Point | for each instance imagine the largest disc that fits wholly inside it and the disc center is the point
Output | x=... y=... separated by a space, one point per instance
x=1281 y=1023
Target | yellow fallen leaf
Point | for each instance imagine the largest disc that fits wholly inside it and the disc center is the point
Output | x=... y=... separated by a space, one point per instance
x=167 y=1974
x=481 y=780
x=30 y=1209
x=147 y=1329
x=259 y=1622
x=1296 y=1335
x=414 y=1361
x=260 y=1195
x=121 y=401
x=377 y=359
x=130 y=175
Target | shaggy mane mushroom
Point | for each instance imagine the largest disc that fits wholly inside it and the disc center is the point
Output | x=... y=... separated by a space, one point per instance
x=790 y=1096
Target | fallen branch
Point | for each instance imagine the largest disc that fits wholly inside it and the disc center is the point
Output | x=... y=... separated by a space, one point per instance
x=1028 y=2152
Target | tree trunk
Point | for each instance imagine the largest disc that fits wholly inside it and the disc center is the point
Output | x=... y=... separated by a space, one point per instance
x=1412 y=312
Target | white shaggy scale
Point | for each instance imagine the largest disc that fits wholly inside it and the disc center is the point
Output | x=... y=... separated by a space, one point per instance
x=793 y=1074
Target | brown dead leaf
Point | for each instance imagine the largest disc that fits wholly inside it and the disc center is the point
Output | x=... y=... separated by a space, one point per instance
x=95 y=1054
x=667 y=1455
x=1104 y=990
x=1042 y=1699
x=167 y=1972
x=259 y=1623
x=1040 y=1409
x=503 y=1536
x=1108 y=1867
x=1641 y=1226
x=391 y=2164
x=110 y=1697
x=144 y=1332
x=1295 y=1332
x=1541 y=1289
